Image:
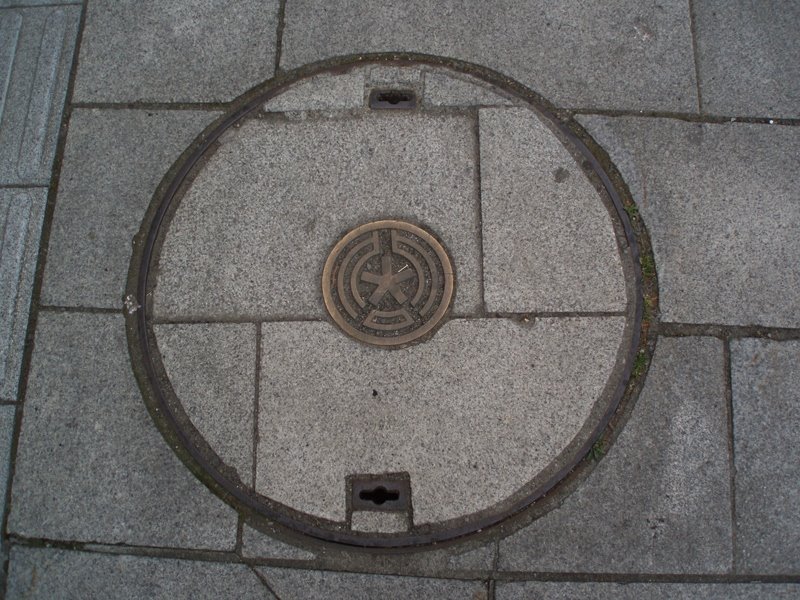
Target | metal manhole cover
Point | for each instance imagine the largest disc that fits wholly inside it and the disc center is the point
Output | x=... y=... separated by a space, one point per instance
x=388 y=283
x=354 y=196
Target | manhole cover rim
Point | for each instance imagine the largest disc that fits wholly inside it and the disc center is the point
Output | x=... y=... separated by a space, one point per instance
x=156 y=388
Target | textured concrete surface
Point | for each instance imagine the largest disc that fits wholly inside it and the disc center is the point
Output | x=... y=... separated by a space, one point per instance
x=49 y=574
x=274 y=199
x=548 y=241
x=381 y=522
x=624 y=54
x=326 y=92
x=90 y=464
x=259 y=545
x=189 y=51
x=652 y=591
x=212 y=367
x=444 y=89
x=21 y=214
x=659 y=502
x=747 y=56
x=6 y=433
x=113 y=161
x=720 y=202
x=766 y=420
x=418 y=409
x=294 y=584
x=36 y=47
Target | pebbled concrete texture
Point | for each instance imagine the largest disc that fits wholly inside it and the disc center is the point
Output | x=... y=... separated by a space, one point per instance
x=548 y=241
x=90 y=465
x=113 y=161
x=256 y=544
x=445 y=89
x=21 y=214
x=212 y=368
x=294 y=584
x=659 y=502
x=620 y=55
x=230 y=245
x=7 y=418
x=190 y=51
x=417 y=409
x=766 y=422
x=326 y=92
x=747 y=57
x=720 y=203
x=542 y=590
x=49 y=573
x=36 y=47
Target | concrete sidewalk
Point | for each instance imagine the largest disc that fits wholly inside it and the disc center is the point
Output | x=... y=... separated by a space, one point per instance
x=697 y=105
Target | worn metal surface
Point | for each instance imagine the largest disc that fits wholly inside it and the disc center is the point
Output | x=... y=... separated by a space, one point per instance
x=388 y=283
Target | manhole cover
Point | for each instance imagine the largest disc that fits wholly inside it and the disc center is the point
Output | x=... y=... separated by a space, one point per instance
x=388 y=283
x=386 y=302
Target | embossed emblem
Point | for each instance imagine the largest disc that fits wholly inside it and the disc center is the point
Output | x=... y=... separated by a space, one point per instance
x=388 y=283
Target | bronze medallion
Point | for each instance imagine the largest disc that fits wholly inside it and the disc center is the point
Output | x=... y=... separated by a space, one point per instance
x=388 y=283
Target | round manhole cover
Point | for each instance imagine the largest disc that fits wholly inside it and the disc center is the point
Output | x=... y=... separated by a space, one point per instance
x=477 y=325
x=388 y=283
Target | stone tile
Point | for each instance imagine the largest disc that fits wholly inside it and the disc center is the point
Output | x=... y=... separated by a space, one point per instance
x=548 y=241
x=36 y=47
x=259 y=545
x=7 y=414
x=191 y=51
x=7 y=3
x=542 y=590
x=212 y=368
x=48 y=573
x=659 y=502
x=416 y=410
x=481 y=559
x=442 y=89
x=114 y=160
x=382 y=522
x=261 y=255
x=766 y=424
x=622 y=55
x=21 y=211
x=91 y=465
x=326 y=92
x=720 y=203
x=747 y=55
x=291 y=584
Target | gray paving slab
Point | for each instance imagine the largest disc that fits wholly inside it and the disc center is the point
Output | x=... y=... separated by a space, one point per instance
x=659 y=502
x=251 y=235
x=21 y=214
x=114 y=159
x=720 y=203
x=444 y=89
x=190 y=51
x=542 y=590
x=212 y=369
x=7 y=417
x=416 y=410
x=91 y=466
x=256 y=544
x=36 y=47
x=747 y=56
x=548 y=241
x=51 y=574
x=326 y=92
x=623 y=55
x=766 y=424
x=8 y=3
x=291 y=584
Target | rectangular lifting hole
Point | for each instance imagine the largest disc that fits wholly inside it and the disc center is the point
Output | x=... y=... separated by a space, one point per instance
x=375 y=492
x=391 y=99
